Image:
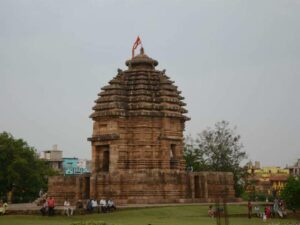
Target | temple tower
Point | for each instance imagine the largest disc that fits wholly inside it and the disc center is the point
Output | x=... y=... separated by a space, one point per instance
x=138 y=121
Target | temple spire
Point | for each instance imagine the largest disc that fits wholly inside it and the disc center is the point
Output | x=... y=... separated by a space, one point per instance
x=142 y=50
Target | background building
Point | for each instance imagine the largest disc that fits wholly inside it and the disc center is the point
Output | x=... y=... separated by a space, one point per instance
x=66 y=166
x=295 y=169
x=269 y=180
x=53 y=157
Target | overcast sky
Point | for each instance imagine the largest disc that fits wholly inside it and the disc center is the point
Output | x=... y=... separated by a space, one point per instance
x=233 y=60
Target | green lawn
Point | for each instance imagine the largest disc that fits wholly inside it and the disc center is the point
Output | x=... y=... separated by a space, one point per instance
x=176 y=215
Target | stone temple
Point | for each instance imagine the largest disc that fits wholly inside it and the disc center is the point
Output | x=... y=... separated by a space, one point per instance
x=137 y=145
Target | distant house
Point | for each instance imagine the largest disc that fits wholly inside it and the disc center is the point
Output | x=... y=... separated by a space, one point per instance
x=269 y=180
x=67 y=166
x=295 y=169
x=53 y=157
x=75 y=166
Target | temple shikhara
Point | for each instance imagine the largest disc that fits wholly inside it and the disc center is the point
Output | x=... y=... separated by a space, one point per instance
x=137 y=145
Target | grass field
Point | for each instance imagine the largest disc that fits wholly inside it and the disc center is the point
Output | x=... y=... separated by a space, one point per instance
x=176 y=215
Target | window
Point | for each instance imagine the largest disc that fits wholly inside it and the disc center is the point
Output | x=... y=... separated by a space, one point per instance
x=173 y=151
x=173 y=162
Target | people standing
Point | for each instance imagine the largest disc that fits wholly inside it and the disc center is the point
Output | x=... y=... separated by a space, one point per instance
x=103 y=205
x=111 y=205
x=211 y=211
x=94 y=205
x=257 y=211
x=249 y=205
x=44 y=208
x=268 y=212
x=51 y=205
x=89 y=206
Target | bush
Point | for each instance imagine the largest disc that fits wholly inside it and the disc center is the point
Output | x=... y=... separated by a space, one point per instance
x=245 y=196
x=256 y=197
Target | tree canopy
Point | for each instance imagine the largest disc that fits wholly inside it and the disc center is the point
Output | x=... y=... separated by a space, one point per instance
x=291 y=192
x=21 y=171
x=217 y=149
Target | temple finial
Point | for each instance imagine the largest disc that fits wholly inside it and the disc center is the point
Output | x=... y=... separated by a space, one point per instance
x=142 y=51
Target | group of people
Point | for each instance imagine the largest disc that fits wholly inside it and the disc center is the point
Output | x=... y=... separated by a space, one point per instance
x=103 y=206
x=92 y=205
x=48 y=206
x=277 y=208
x=215 y=211
x=270 y=210
x=3 y=207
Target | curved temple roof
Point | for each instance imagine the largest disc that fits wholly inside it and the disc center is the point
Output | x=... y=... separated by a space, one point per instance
x=141 y=90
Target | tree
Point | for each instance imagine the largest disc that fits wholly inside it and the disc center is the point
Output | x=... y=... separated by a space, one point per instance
x=291 y=193
x=218 y=149
x=193 y=156
x=21 y=171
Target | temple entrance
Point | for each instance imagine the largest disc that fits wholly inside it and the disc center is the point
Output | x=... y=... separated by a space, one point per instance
x=197 y=186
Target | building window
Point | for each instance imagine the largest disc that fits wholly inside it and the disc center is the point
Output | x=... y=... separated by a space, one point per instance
x=173 y=162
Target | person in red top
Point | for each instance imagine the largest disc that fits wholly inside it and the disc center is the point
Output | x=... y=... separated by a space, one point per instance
x=268 y=212
x=249 y=205
x=51 y=205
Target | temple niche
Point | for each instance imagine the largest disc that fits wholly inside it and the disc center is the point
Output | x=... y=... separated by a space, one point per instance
x=137 y=144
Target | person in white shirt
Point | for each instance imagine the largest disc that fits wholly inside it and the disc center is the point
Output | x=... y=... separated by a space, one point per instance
x=67 y=208
x=94 y=204
x=103 y=205
x=3 y=207
x=111 y=205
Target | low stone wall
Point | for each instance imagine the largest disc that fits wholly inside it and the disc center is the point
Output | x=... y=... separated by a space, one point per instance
x=71 y=187
x=144 y=187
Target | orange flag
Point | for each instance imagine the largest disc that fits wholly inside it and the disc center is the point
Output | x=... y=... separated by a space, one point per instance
x=136 y=44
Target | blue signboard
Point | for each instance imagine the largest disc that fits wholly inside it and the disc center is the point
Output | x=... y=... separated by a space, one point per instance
x=74 y=166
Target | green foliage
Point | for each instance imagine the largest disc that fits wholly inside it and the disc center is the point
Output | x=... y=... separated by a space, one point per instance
x=291 y=192
x=21 y=171
x=260 y=197
x=217 y=149
x=245 y=196
x=193 y=156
